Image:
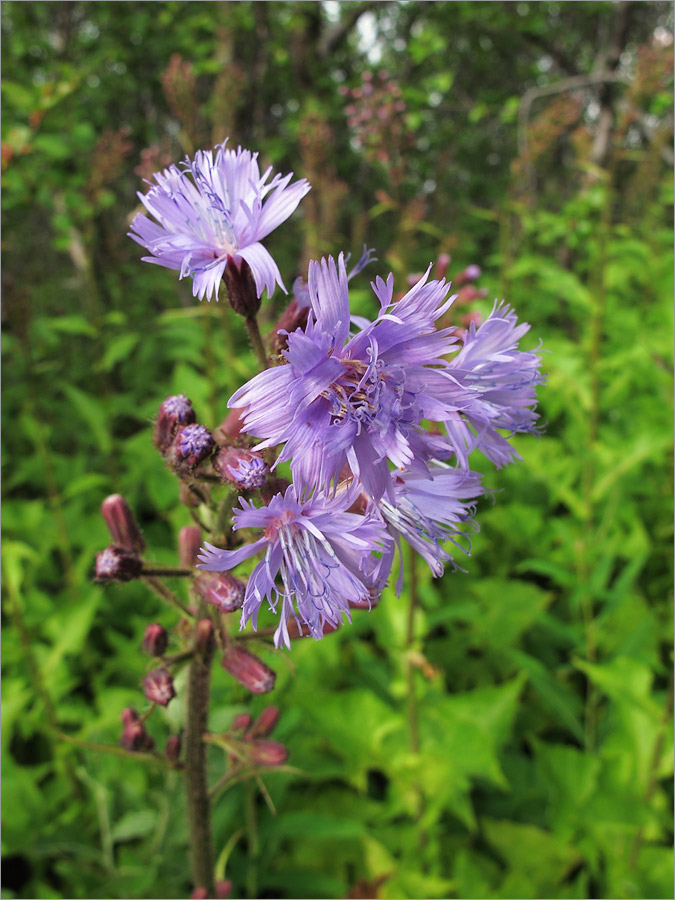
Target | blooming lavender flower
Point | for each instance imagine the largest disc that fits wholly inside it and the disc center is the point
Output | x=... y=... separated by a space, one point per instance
x=213 y=213
x=358 y=400
x=321 y=553
x=501 y=380
x=431 y=511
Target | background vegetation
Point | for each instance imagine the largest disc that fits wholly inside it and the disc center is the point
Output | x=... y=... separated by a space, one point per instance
x=518 y=744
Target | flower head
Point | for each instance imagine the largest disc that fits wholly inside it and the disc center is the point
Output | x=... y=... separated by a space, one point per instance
x=430 y=512
x=357 y=400
x=501 y=381
x=322 y=555
x=213 y=212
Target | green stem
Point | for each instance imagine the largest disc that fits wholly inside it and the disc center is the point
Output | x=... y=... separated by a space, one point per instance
x=167 y=573
x=413 y=709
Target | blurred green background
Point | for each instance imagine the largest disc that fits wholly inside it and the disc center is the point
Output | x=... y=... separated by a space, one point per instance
x=534 y=139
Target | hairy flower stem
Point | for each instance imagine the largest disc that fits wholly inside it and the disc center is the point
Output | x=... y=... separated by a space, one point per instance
x=256 y=340
x=158 y=587
x=167 y=573
x=198 y=806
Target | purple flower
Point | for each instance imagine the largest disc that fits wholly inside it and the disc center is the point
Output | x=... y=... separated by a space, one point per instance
x=358 y=401
x=431 y=511
x=217 y=208
x=195 y=443
x=240 y=467
x=321 y=553
x=501 y=381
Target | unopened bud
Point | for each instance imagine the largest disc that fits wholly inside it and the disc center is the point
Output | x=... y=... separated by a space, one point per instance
x=223 y=889
x=172 y=747
x=267 y=753
x=248 y=670
x=190 y=446
x=265 y=723
x=205 y=639
x=158 y=686
x=174 y=413
x=221 y=590
x=293 y=317
x=243 y=468
x=241 y=289
x=155 y=640
x=240 y=722
x=199 y=893
x=117 y=564
x=129 y=715
x=135 y=737
x=189 y=545
x=230 y=428
x=471 y=273
x=122 y=524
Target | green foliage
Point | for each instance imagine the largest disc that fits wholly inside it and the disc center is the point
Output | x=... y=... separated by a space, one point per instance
x=518 y=742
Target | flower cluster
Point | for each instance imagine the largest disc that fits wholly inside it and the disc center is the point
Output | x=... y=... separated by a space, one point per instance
x=376 y=419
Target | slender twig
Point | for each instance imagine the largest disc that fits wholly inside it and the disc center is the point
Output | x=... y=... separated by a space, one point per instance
x=198 y=805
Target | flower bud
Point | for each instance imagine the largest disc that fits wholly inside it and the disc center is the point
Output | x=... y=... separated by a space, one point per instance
x=135 y=737
x=190 y=446
x=158 y=686
x=267 y=753
x=205 y=639
x=117 y=564
x=293 y=317
x=189 y=545
x=231 y=426
x=223 y=889
x=265 y=723
x=174 y=413
x=199 y=893
x=243 y=468
x=172 y=747
x=240 y=722
x=241 y=289
x=442 y=264
x=221 y=590
x=129 y=715
x=471 y=273
x=248 y=670
x=155 y=640
x=122 y=524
